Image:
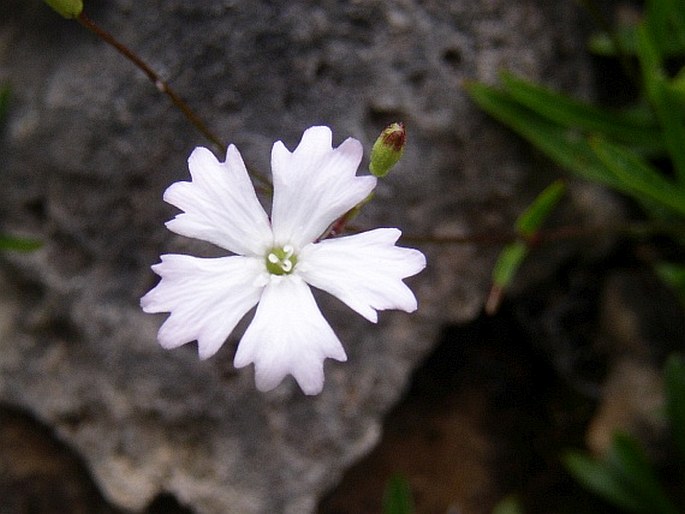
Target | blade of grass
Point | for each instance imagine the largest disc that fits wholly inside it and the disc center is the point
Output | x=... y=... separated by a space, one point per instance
x=673 y=275
x=532 y=218
x=604 y=44
x=628 y=461
x=665 y=19
x=638 y=177
x=568 y=149
x=512 y=255
x=668 y=110
x=397 y=498
x=508 y=263
x=656 y=18
x=509 y=505
x=674 y=385
x=599 y=478
x=678 y=22
x=571 y=113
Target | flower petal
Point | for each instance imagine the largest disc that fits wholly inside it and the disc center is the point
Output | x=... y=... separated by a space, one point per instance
x=365 y=270
x=314 y=185
x=206 y=298
x=288 y=335
x=220 y=204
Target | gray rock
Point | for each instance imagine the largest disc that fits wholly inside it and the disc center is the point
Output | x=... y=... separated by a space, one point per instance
x=89 y=146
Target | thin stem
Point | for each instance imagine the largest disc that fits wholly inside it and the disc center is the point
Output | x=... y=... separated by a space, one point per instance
x=159 y=83
x=638 y=229
x=496 y=294
x=163 y=87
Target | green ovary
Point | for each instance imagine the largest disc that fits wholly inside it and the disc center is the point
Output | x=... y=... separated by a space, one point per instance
x=281 y=261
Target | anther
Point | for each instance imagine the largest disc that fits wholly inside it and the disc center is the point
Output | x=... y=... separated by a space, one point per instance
x=281 y=261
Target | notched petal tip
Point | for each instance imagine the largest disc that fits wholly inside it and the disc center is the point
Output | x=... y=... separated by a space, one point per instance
x=365 y=271
x=312 y=388
x=418 y=261
x=146 y=302
x=288 y=336
x=310 y=381
x=168 y=338
x=352 y=148
x=205 y=351
x=316 y=136
x=200 y=157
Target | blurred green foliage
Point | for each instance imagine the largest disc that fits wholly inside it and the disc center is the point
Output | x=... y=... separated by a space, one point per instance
x=638 y=150
x=513 y=254
x=625 y=477
x=9 y=242
x=4 y=101
x=18 y=244
x=509 y=505
x=67 y=8
x=398 y=498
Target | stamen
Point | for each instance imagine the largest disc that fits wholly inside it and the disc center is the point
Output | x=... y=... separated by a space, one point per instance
x=281 y=261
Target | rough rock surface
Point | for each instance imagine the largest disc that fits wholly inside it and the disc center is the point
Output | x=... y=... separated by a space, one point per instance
x=89 y=146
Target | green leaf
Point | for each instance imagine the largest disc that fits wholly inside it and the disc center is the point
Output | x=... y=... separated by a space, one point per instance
x=674 y=385
x=532 y=218
x=639 y=178
x=508 y=263
x=677 y=19
x=674 y=276
x=567 y=112
x=665 y=19
x=398 y=498
x=601 y=479
x=629 y=463
x=668 y=110
x=509 y=505
x=567 y=148
x=656 y=20
x=603 y=44
x=677 y=87
x=625 y=478
x=512 y=255
x=19 y=244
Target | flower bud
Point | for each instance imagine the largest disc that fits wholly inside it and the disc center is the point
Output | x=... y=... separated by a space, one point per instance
x=67 y=8
x=387 y=149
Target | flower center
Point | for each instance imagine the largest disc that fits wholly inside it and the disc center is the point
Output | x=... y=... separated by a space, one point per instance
x=281 y=261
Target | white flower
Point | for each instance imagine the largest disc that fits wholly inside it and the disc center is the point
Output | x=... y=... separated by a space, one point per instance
x=277 y=260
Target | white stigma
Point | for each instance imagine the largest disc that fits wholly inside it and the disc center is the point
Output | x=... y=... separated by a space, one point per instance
x=281 y=261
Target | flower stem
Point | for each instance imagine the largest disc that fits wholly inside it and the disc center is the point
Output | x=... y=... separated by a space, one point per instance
x=637 y=229
x=159 y=83
x=163 y=87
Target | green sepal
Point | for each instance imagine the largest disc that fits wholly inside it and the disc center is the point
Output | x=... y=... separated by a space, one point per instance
x=388 y=149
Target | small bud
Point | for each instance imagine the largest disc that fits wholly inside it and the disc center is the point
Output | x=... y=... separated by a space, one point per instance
x=387 y=149
x=67 y=8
